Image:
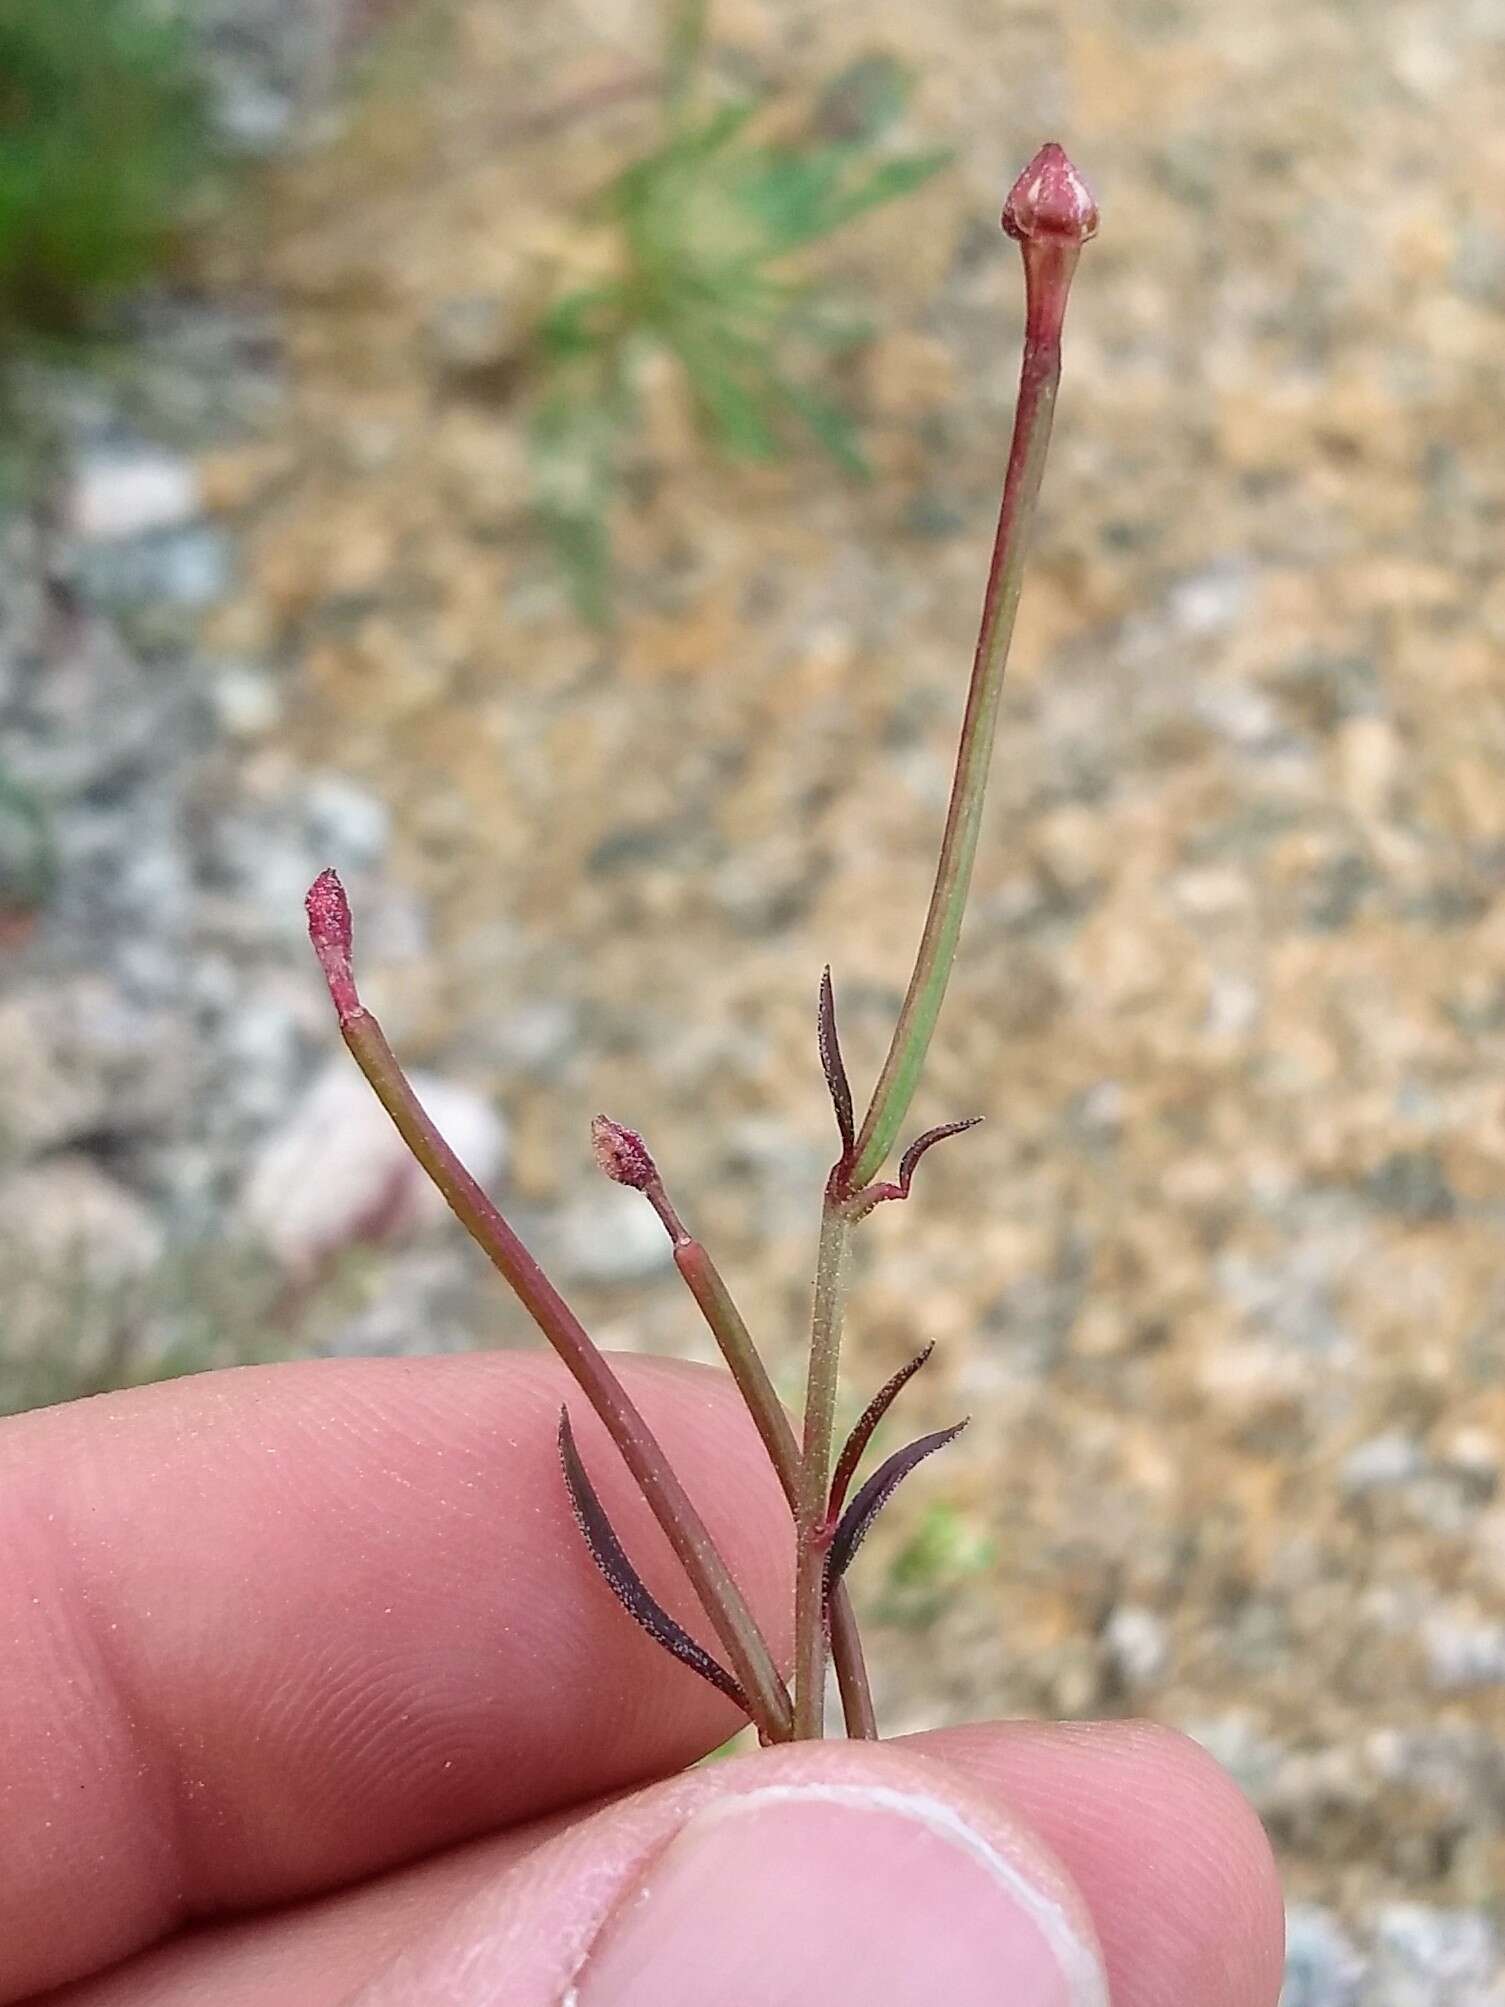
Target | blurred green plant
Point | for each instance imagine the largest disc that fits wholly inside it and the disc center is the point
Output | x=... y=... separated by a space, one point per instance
x=106 y=142
x=70 y=1332
x=707 y=233
x=945 y=1552
x=28 y=849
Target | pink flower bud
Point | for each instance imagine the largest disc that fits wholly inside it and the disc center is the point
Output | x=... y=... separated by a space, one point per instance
x=1050 y=202
x=329 y=930
x=622 y=1154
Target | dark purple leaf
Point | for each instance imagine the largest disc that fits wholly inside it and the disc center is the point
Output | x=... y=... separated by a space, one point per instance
x=623 y=1579
x=921 y=1144
x=862 y=1435
x=835 y=1068
x=874 y=1495
x=864 y=1201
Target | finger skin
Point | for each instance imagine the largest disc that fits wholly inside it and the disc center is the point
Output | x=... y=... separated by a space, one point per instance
x=1175 y=1865
x=532 y=1939
x=1166 y=1852
x=266 y=1632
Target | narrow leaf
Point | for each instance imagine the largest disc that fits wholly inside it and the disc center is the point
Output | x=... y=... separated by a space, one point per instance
x=863 y=1202
x=864 y=101
x=830 y=426
x=862 y=1435
x=921 y=1144
x=887 y=182
x=875 y=1494
x=834 y=1067
x=623 y=1579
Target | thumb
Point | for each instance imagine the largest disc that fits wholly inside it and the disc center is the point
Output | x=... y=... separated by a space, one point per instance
x=836 y=1872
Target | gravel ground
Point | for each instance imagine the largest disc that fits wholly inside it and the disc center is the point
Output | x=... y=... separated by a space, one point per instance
x=1220 y=1280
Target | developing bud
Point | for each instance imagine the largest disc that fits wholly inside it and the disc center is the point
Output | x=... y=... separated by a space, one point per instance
x=329 y=930
x=622 y=1154
x=1050 y=202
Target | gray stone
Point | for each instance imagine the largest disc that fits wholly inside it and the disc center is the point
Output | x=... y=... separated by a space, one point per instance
x=68 y=1218
x=166 y=574
x=66 y=1048
x=472 y=334
x=115 y=496
x=1323 y=1965
x=1381 y=1463
x=345 y=822
x=1463 y=1650
x=336 y=1174
x=1429 y=1957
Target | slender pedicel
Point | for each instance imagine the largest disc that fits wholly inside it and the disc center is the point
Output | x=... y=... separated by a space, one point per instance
x=752 y=1663
x=1052 y=214
x=625 y=1158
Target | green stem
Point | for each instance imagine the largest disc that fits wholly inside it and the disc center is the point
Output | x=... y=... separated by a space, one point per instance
x=815 y=1469
x=1048 y=271
x=712 y=1580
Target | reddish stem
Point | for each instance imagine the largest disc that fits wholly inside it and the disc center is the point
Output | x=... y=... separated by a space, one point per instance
x=723 y=1601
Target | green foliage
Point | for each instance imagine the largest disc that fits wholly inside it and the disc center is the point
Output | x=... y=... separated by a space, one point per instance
x=68 y=1333
x=743 y=1743
x=709 y=231
x=28 y=849
x=105 y=140
x=945 y=1552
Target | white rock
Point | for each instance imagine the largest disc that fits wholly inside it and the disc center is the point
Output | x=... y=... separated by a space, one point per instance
x=346 y=821
x=55 y=1084
x=132 y=494
x=1381 y=1463
x=66 y=1220
x=1463 y=1650
x=612 y=1235
x=1137 y=1642
x=1428 y=1957
x=337 y=1173
x=247 y=704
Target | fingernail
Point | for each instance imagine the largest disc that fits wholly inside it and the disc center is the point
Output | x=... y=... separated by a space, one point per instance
x=841 y=1892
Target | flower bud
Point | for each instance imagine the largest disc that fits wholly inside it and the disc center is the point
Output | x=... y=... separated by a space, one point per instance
x=622 y=1154
x=330 y=932
x=1050 y=202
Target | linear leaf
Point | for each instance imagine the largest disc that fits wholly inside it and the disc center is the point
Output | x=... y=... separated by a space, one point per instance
x=623 y=1579
x=858 y=1518
x=862 y=1434
x=834 y=1067
x=921 y=1144
x=830 y=425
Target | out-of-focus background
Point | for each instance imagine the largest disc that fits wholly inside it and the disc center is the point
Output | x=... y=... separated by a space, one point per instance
x=408 y=465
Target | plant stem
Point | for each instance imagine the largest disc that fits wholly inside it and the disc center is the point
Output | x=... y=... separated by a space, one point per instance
x=815 y=1468
x=1050 y=255
x=1051 y=212
x=735 y=1342
x=712 y=1580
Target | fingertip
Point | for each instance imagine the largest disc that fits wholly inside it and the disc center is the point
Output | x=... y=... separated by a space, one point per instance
x=836 y=1871
x=1169 y=1853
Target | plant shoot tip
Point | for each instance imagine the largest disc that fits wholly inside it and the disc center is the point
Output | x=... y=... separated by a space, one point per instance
x=330 y=931
x=1051 y=201
x=622 y=1155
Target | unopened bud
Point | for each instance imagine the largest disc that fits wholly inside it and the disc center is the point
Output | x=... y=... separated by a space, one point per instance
x=622 y=1154
x=330 y=932
x=1051 y=202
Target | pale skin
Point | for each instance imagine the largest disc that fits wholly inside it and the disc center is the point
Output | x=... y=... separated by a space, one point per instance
x=312 y=1695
